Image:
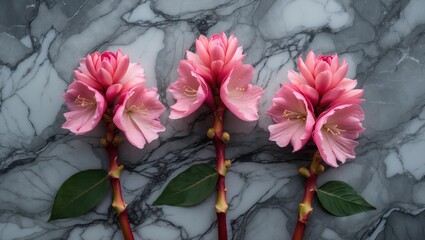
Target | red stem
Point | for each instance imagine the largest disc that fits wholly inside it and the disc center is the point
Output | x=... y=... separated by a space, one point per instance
x=222 y=166
x=305 y=208
x=114 y=177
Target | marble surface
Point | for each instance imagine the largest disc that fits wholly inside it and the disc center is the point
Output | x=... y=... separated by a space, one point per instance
x=42 y=41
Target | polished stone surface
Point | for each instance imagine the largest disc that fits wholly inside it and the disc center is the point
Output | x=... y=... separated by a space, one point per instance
x=42 y=41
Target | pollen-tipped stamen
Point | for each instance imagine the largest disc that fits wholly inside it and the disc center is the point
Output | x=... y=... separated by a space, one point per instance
x=85 y=102
x=189 y=91
x=333 y=129
x=290 y=115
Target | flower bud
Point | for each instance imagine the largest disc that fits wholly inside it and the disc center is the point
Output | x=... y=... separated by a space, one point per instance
x=304 y=172
x=109 y=137
x=112 y=126
x=225 y=167
x=225 y=137
x=117 y=140
x=320 y=169
x=211 y=133
x=103 y=142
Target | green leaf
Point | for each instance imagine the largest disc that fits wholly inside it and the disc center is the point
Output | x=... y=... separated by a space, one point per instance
x=340 y=199
x=190 y=187
x=80 y=193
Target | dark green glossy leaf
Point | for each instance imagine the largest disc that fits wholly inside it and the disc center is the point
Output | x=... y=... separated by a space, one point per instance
x=80 y=193
x=190 y=187
x=340 y=199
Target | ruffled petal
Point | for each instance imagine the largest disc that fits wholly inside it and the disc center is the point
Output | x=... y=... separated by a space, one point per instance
x=138 y=116
x=190 y=91
x=335 y=132
x=294 y=118
x=87 y=106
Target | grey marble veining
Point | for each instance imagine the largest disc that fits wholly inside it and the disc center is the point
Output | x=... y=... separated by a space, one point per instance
x=42 y=41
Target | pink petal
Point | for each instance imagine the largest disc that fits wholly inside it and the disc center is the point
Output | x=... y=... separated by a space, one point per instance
x=149 y=127
x=349 y=97
x=122 y=66
x=323 y=81
x=133 y=77
x=216 y=67
x=310 y=93
x=324 y=147
x=80 y=122
x=216 y=53
x=149 y=99
x=224 y=39
x=296 y=79
x=240 y=97
x=321 y=67
x=305 y=72
x=202 y=53
x=107 y=65
x=227 y=68
x=106 y=78
x=339 y=75
x=112 y=92
x=87 y=79
x=310 y=61
x=204 y=41
x=282 y=133
x=335 y=63
x=330 y=96
x=231 y=48
x=90 y=65
x=132 y=132
x=195 y=58
x=347 y=84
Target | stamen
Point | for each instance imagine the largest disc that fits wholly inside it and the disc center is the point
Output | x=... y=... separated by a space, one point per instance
x=84 y=102
x=290 y=115
x=141 y=108
x=333 y=129
x=189 y=91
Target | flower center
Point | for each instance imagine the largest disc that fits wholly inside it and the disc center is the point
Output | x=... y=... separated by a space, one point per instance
x=85 y=102
x=333 y=129
x=140 y=108
x=241 y=89
x=327 y=59
x=189 y=91
x=290 y=115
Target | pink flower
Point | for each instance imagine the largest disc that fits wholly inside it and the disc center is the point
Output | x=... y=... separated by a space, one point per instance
x=109 y=72
x=216 y=71
x=215 y=57
x=322 y=79
x=87 y=106
x=335 y=132
x=138 y=116
x=293 y=116
x=239 y=96
x=189 y=90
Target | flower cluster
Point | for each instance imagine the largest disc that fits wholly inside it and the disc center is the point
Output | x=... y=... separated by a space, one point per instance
x=216 y=69
x=108 y=85
x=318 y=103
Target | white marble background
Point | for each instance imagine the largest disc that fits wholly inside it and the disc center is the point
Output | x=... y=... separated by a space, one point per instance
x=41 y=42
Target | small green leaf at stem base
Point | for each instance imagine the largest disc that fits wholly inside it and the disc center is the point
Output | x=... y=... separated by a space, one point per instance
x=190 y=187
x=340 y=199
x=80 y=193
